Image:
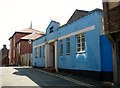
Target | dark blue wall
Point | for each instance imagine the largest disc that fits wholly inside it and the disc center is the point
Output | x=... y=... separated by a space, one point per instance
x=106 y=54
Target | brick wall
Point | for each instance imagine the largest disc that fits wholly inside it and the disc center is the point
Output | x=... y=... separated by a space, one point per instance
x=111 y=17
x=14 y=51
x=25 y=47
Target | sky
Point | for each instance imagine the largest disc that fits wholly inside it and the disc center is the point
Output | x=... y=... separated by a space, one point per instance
x=17 y=14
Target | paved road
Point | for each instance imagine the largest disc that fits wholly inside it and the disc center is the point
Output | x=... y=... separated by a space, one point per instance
x=15 y=76
x=25 y=76
x=36 y=78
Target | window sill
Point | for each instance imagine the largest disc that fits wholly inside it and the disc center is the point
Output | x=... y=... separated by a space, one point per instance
x=80 y=52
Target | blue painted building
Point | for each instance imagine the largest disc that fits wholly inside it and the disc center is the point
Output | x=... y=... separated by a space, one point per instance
x=77 y=45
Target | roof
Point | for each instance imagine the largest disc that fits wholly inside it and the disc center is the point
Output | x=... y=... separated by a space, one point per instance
x=33 y=36
x=27 y=31
x=69 y=22
x=77 y=14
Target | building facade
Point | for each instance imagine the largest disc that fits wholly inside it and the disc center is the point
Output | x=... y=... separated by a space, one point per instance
x=19 y=46
x=77 y=45
x=4 y=59
x=24 y=48
x=112 y=31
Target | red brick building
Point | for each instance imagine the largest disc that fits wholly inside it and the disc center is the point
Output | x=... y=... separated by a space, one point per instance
x=19 y=45
x=24 y=48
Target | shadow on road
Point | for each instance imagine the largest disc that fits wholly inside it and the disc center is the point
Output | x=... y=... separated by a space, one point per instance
x=45 y=80
x=28 y=72
x=48 y=81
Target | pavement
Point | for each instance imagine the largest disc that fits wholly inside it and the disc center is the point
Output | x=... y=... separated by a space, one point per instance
x=81 y=80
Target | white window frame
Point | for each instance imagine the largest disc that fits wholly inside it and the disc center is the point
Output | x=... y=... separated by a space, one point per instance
x=61 y=47
x=80 y=41
x=68 y=45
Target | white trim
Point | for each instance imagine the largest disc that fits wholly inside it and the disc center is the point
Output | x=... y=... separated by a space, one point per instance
x=77 y=32
x=80 y=52
x=44 y=43
x=51 y=41
x=68 y=35
x=39 y=45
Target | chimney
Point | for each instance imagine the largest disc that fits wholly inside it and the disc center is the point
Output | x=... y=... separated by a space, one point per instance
x=4 y=46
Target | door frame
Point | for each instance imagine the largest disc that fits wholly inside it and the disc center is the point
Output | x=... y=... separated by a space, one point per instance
x=47 y=54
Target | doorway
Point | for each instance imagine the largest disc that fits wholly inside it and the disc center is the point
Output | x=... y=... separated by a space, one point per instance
x=51 y=54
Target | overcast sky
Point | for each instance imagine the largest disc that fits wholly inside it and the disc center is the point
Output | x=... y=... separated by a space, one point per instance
x=18 y=14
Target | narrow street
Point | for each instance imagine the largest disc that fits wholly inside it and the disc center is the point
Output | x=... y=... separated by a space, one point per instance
x=25 y=76
x=15 y=77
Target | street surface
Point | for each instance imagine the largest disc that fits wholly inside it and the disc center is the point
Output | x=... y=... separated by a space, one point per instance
x=15 y=77
x=11 y=76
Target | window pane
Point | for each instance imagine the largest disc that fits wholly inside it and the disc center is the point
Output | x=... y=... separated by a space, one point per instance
x=78 y=40
x=78 y=45
x=78 y=49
